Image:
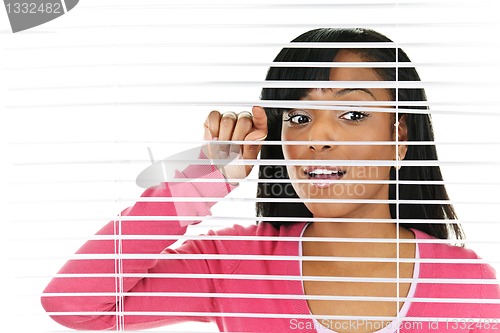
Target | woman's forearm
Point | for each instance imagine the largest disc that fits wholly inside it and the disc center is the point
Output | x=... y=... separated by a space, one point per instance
x=99 y=263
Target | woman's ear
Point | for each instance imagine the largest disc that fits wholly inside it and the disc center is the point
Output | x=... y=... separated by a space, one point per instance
x=402 y=133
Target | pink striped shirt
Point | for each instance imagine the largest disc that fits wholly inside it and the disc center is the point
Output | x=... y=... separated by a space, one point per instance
x=245 y=285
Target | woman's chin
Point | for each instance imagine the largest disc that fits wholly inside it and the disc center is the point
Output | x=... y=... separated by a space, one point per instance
x=330 y=210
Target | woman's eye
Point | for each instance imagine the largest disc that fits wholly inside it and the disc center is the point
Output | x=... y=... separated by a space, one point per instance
x=354 y=115
x=297 y=119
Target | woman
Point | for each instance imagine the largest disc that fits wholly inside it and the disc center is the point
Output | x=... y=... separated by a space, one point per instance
x=264 y=278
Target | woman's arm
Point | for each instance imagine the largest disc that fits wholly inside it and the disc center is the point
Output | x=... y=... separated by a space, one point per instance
x=77 y=308
x=94 y=296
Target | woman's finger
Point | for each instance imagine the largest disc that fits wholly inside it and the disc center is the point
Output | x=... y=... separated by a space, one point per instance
x=212 y=125
x=244 y=125
x=226 y=128
x=258 y=133
x=259 y=122
x=235 y=127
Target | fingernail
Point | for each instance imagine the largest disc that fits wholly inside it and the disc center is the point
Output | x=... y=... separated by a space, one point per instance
x=245 y=114
x=230 y=114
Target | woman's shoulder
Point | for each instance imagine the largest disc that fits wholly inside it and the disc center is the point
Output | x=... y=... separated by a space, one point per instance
x=439 y=248
x=455 y=258
x=456 y=266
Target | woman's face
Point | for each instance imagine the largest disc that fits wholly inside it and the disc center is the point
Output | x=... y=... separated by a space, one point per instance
x=337 y=126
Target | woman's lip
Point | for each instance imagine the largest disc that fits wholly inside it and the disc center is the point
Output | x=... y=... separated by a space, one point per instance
x=329 y=167
x=325 y=180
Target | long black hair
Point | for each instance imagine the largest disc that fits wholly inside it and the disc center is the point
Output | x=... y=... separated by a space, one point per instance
x=418 y=123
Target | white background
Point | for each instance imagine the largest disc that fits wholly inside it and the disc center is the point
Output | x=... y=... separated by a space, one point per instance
x=85 y=95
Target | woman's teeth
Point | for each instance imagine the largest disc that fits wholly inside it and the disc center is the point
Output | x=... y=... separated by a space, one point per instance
x=325 y=173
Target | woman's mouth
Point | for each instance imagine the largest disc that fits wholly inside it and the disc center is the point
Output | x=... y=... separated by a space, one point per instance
x=327 y=174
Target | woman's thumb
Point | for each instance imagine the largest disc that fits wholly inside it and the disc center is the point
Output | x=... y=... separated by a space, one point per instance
x=251 y=150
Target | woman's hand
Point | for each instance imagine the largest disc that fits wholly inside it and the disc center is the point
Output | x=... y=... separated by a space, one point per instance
x=230 y=126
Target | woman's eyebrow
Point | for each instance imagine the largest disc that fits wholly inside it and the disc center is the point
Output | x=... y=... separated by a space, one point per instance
x=349 y=90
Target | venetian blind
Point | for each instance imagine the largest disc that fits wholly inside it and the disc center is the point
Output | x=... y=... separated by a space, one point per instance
x=97 y=96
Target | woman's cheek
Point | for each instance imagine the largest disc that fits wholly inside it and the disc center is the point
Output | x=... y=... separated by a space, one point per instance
x=291 y=153
x=286 y=148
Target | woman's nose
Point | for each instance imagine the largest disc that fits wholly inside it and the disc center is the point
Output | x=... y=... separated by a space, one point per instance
x=320 y=147
x=326 y=134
